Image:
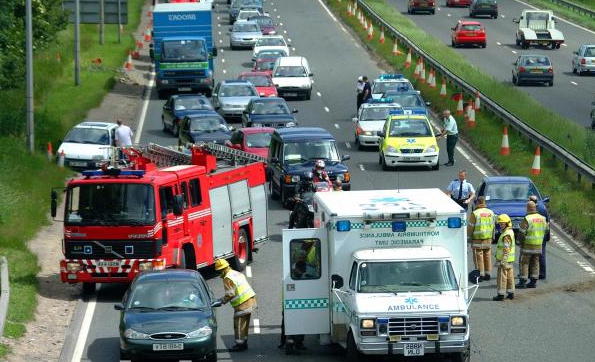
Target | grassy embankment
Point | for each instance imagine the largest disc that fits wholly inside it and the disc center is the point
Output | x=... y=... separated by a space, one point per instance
x=572 y=203
x=25 y=180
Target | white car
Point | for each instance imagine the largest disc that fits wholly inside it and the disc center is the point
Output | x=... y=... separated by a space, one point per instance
x=88 y=144
x=293 y=77
x=390 y=83
x=370 y=119
x=245 y=15
x=270 y=42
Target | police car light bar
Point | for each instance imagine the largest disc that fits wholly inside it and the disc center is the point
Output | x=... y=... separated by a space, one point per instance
x=391 y=76
x=397 y=112
x=113 y=172
x=380 y=100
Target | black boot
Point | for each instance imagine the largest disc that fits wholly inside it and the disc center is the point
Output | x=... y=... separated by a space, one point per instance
x=290 y=350
x=487 y=277
x=510 y=296
x=498 y=298
x=239 y=347
x=532 y=283
x=521 y=284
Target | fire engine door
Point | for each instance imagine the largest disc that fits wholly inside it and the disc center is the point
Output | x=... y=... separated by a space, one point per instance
x=305 y=281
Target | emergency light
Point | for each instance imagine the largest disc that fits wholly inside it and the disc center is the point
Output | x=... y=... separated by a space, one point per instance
x=343 y=225
x=113 y=172
x=454 y=223
x=380 y=101
x=391 y=76
x=400 y=112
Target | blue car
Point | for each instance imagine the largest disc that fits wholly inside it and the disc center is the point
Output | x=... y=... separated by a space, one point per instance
x=410 y=101
x=269 y=112
x=509 y=195
x=179 y=106
x=206 y=126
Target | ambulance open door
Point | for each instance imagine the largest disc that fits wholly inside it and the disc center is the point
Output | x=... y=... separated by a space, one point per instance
x=306 y=281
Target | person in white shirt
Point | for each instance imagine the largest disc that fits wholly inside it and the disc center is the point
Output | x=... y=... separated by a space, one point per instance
x=461 y=191
x=451 y=132
x=123 y=135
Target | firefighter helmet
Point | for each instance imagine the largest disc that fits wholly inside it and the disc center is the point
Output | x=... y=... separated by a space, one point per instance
x=504 y=218
x=221 y=264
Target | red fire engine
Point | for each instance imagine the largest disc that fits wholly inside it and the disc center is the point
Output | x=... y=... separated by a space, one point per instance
x=166 y=209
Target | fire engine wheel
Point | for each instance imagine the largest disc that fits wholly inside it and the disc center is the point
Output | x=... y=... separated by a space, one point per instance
x=89 y=288
x=243 y=252
x=353 y=355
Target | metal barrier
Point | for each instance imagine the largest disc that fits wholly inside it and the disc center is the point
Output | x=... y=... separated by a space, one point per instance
x=570 y=160
x=579 y=9
x=4 y=294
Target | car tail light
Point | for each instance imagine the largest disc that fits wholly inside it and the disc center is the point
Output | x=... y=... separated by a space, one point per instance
x=583 y=61
x=521 y=69
x=550 y=70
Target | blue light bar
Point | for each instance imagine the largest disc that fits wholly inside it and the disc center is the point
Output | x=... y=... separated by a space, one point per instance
x=382 y=320
x=418 y=111
x=396 y=112
x=380 y=101
x=343 y=225
x=399 y=226
x=454 y=223
x=391 y=76
x=113 y=172
x=443 y=319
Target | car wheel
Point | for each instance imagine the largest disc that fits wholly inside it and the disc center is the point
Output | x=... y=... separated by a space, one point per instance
x=164 y=125
x=495 y=16
x=309 y=94
x=436 y=167
x=471 y=15
x=274 y=196
x=385 y=167
x=433 y=12
x=243 y=252
x=551 y=83
x=574 y=71
x=514 y=79
x=464 y=356
x=483 y=45
x=161 y=94
x=380 y=158
x=89 y=288
x=453 y=44
x=232 y=47
x=353 y=355
x=211 y=358
x=175 y=130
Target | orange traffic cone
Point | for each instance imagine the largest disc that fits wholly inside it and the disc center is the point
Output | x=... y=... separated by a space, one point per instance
x=129 y=65
x=370 y=31
x=504 y=148
x=432 y=80
x=150 y=12
x=536 y=168
x=147 y=34
x=477 y=105
x=408 y=60
x=422 y=73
x=61 y=157
x=460 y=109
x=50 y=151
x=471 y=118
x=381 y=39
x=443 y=88
x=349 y=13
x=417 y=69
x=396 y=50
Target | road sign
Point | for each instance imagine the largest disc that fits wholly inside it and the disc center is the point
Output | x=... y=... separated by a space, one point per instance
x=90 y=11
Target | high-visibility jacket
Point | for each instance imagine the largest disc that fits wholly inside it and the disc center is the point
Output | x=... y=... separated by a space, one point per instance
x=534 y=233
x=500 y=246
x=484 y=224
x=243 y=291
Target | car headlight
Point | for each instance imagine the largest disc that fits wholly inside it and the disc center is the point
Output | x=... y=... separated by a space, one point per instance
x=295 y=178
x=392 y=149
x=204 y=331
x=432 y=148
x=368 y=133
x=457 y=321
x=367 y=323
x=73 y=267
x=272 y=32
x=132 y=334
x=341 y=177
x=290 y=124
x=164 y=81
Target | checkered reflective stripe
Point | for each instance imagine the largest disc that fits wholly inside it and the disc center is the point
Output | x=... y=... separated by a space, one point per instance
x=306 y=303
x=410 y=224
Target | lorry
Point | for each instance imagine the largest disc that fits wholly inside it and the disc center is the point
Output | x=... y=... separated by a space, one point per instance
x=183 y=48
x=163 y=209
x=383 y=272
x=538 y=27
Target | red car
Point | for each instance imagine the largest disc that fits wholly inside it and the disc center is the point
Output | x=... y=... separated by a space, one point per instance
x=469 y=33
x=262 y=82
x=452 y=3
x=267 y=25
x=264 y=65
x=253 y=140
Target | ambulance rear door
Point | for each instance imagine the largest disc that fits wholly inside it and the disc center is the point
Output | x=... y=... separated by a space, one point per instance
x=306 y=286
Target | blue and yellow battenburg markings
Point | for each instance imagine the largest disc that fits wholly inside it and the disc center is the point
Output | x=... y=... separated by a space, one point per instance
x=306 y=303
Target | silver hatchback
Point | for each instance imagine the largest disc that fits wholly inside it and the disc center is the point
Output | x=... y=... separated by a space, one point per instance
x=244 y=34
x=583 y=60
x=533 y=68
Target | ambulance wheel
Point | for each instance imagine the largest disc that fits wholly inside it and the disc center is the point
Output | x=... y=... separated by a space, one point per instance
x=464 y=356
x=353 y=355
x=243 y=252
x=89 y=288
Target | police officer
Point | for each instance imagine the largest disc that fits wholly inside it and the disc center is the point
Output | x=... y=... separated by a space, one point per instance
x=481 y=231
x=505 y=258
x=461 y=191
x=531 y=234
x=242 y=298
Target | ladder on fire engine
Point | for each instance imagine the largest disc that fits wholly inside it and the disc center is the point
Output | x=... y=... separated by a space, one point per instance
x=163 y=156
x=236 y=157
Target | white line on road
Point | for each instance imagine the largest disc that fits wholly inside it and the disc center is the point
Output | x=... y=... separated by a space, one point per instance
x=85 y=325
x=256 y=326
x=361 y=167
x=326 y=109
x=249 y=272
x=337 y=126
x=347 y=144
x=573 y=82
x=586 y=266
x=143 y=112
x=318 y=94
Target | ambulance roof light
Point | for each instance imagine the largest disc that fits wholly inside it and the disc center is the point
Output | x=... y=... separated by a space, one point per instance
x=380 y=101
x=343 y=225
x=391 y=76
x=420 y=215
x=454 y=223
x=113 y=172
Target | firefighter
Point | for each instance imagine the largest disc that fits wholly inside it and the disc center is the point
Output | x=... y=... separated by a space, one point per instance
x=532 y=231
x=505 y=258
x=481 y=232
x=242 y=298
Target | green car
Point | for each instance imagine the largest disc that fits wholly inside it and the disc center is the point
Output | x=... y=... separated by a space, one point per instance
x=168 y=314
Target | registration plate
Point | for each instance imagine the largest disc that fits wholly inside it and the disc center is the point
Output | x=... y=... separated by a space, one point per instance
x=108 y=264
x=412 y=159
x=537 y=71
x=184 y=89
x=291 y=94
x=78 y=163
x=413 y=349
x=168 y=346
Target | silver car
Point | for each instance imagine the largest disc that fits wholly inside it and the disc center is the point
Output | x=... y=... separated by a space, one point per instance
x=370 y=119
x=583 y=60
x=231 y=97
x=244 y=34
x=533 y=68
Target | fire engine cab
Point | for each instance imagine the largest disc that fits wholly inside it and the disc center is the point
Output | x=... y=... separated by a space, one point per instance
x=165 y=209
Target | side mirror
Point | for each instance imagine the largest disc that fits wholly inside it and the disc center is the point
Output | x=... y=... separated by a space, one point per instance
x=380 y=134
x=310 y=74
x=345 y=157
x=214 y=51
x=178 y=205
x=294 y=111
x=337 y=281
x=119 y=306
x=216 y=303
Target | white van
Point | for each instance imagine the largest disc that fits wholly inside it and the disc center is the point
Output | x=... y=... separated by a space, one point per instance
x=292 y=77
x=88 y=144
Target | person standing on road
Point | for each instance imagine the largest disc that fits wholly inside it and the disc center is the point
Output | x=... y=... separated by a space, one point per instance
x=449 y=130
x=481 y=229
x=360 y=93
x=505 y=258
x=542 y=261
x=242 y=298
x=123 y=135
x=531 y=234
x=367 y=93
x=461 y=191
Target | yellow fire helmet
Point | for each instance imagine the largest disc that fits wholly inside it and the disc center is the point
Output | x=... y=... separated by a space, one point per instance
x=504 y=218
x=221 y=264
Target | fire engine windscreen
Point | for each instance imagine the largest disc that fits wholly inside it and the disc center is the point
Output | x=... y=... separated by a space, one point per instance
x=406 y=276
x=184 y=51
x=110 y=204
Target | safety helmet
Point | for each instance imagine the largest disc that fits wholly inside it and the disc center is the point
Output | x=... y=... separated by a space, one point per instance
x=221 y=264
x=504 y=218
x=319 y=164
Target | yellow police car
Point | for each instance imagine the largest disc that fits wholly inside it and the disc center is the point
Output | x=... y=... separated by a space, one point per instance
x=408 y=140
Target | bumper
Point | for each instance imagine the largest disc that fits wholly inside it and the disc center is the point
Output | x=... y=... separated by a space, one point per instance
x=231 y=112
x=96 y=271
x=368 y=140
x=292 y=91
x=535 y=78
x=289 y=189
x=587 y=67
x=411 y=159
x=193 y=349
x=201 y=86
x=81 y=165
x=242 y=43
x=430 y=347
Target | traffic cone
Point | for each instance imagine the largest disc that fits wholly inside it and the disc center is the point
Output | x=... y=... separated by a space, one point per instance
x=460 y=109
x=536 y=168
x=469 y=107
x=408 y=60
x=432 y=80
x=61 y=157
x=422 y=73
x=370 y=32
x=443 y=88
x=396 y=50
x=349 y=13
x=150 y=12
x=504 y=148
x=354 y=6
x=364 y=23
x=129 y=65
x=471 y=120
x=417 y=69
x=477 y=105
x=381 y=39
x=50 y=151
x=147 y=34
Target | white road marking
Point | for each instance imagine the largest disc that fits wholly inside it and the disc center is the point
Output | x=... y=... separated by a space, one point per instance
x=337 y=126
x=327 y=11
x=318 y=94
x=474 y=163
x=143 y=113
x=222 y=60
x=586 y=266
x=224 y=71
x=348 y=144
x=249 y=272
x=326 y=109
x=85 y=326
x=498 y=43
x=256 y=326
x=361 y=167
x=514 y=52
x=573 y=82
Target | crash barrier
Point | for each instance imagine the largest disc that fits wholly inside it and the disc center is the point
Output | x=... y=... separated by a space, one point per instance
x=5 y=292
x=579 y=9
x=558 y=152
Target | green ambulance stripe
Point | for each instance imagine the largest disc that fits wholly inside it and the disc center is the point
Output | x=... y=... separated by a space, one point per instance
x=306 y=303
x=410 y=224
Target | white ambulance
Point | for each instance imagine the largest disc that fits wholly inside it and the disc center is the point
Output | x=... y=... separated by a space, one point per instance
x=384 y=272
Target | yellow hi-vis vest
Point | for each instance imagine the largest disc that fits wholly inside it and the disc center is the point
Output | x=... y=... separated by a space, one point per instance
x=484 y=224
x=500 y=246
x=535 y=232
x=243 y=290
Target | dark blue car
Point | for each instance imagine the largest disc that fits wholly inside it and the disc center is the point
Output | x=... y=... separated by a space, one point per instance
x=410 y=101
x=509 y=195
x=205 y=126
x=269 y=112
x=293 y=152
x=179 y=106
